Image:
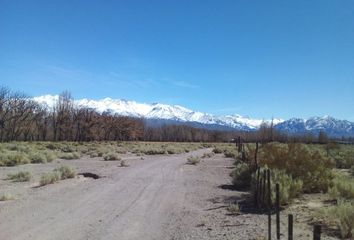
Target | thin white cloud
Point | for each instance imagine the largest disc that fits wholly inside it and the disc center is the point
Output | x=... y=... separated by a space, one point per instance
x=184 y=84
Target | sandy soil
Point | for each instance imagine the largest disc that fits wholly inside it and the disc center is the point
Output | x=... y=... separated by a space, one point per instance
x=160 y=197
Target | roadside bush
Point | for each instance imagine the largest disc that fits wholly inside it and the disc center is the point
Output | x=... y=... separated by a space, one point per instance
x=70 y=155
x=241 y=176
x=49 y=178
x=12 y=159
x=289 y=188
x=342 y=188
x=65 y=172
x=208 y=155
x=343 y=214
x=112 y=156
x=38 y=158
x=312 y=167
x=50 y=156
x=6 y=197
x=123 y=164
x=218 y=150
x=193 y=160
x=20 y=176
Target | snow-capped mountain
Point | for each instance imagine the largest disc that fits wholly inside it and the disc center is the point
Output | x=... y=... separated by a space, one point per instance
x=330 y=125
x=163 y=113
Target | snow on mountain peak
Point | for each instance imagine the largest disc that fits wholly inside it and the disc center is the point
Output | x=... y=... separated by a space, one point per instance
x=159 y=111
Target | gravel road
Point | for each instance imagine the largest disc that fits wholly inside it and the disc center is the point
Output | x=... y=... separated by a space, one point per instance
x=160 y=197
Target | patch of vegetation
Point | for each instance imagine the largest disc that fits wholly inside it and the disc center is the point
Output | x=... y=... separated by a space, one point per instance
x=289 y=188
x=241 y=176
x=112 y=156
x=233 y=208
x=23 y=176
x=193 y=160
x=6 y=197
x=49 y=178
x=342 y=188
x=38 y=158
x=124 y=164
x=343 y=216
x=208 y=155
x=70 y=155
x=298 y=161
x=65 y=172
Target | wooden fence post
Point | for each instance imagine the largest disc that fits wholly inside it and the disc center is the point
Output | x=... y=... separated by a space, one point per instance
x=317 y=232
x=264 y=188
x=256 y=194
x=269 y=208
x=290 y=227
x=277 y=202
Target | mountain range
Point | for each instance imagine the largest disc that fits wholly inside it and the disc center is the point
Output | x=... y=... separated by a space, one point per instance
x=157 y=114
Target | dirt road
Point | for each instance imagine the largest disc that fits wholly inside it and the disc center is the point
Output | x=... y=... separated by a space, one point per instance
x=160 y=197
x=151 y=199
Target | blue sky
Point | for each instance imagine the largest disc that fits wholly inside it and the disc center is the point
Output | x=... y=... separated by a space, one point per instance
x=257 y=58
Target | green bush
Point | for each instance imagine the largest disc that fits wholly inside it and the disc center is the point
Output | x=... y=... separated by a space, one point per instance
x=342 y=188
x=12 y=159
x=23 y=176
x=6 y=197
x=70 y=155
x=65 y=172
x=49 y=178
x=38 y=158
x=289 y=188
x=343 y=214
x=112 y=156
x=193 y=160
x=312 y=167
x=241 y=176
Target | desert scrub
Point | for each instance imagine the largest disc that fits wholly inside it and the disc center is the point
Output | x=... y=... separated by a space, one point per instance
x=13 y=158
x=241 y=176
x=6 y=197
x=233 y=208
x=208 y=155
x=70 y=155
x=289 y=188
x=300 y=162
x=112 y=156
x=23 y=176
x=193 y=160
x=49 y=178
x=123 y=163
x=343 y=216
x=342 y=188
x=38 y=158
x=65 y=172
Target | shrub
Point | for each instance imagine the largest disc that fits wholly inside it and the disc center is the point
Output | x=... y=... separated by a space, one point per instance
x=233 y=208
x=50 y=156
x=93 y=154
x=49 y=178
x=112 y=156
x=20 y=177
x=12 y=159
x=343 y=214
x=6 y=197
x=208 y=155
x=289 y=188
x=65 y=172
x=312 y=167
x=218 y=150
x=123 y=164
x=342 y=188
x=241 y=176
x=231 y=153
x=70 y=156
x=193 y=160
x=38 y=158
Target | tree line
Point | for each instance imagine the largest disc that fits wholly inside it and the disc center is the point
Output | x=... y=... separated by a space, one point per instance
x=23 y=119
